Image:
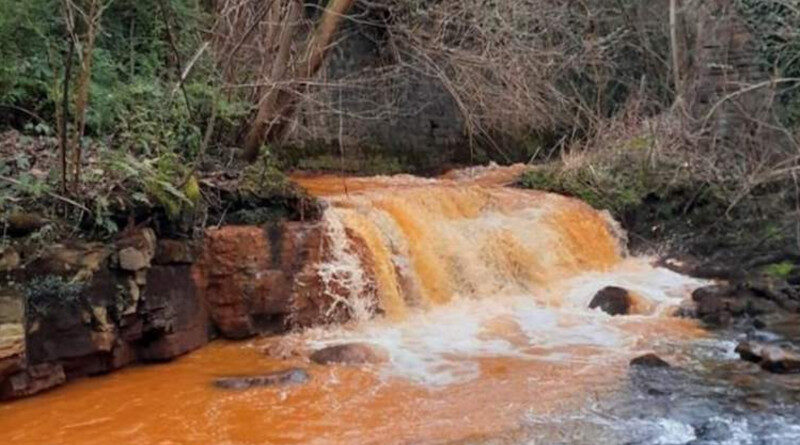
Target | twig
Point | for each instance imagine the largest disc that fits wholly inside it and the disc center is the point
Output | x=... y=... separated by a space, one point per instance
x=189 y=66
x=52 y=195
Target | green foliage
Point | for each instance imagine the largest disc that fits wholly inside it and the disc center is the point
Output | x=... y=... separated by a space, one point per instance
x=29 y=44
x=135 y=102
x=51 y=292
x=618 y=183
x=153 y=180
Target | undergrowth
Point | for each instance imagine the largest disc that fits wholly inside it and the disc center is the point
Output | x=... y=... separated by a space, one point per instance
x=667 y=198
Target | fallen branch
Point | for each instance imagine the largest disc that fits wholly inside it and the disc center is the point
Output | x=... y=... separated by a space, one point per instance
x=51 y=194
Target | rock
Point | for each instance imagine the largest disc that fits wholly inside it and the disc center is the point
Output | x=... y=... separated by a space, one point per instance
x=9 y=259
x=650 y=361
x=176 y=320
x=22 y=224
x=142 y=239
x=170 y=251
x=713 y=431
x=32 y=380
x=772 y=358
x=287 y=377
x=780 y=360
x=717 y=304
x=251 y=276
x=749 y=351
x=612 y=300
x=12 y=348
x=12 y=333
x=76 y=261
x=132 y=260
x=689 y=265
x=350 y=354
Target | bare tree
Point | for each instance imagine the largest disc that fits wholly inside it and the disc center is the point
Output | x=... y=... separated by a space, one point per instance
x=278 y=104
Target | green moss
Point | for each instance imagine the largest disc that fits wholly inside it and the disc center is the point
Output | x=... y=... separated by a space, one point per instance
x=779 y=270
x=616 y=187
x=45 y=294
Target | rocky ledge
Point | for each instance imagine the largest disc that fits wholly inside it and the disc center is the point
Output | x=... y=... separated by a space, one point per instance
x=82 y=309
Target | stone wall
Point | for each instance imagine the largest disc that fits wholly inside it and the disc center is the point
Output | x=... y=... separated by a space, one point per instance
x=374 y=106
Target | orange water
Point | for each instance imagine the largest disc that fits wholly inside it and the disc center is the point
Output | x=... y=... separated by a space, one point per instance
x=485 y=291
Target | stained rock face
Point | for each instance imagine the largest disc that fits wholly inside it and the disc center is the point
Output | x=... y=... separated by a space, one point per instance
x=612 y=300
x=287 y=377
x=350 y=354
x=250 y=275
x=103 y=307
x=98 y=311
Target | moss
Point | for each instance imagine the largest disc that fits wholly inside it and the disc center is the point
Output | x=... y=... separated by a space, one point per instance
x=616 y=187
x=265 y=194
x=192 y=190
x=45 y=294
x=779 y=270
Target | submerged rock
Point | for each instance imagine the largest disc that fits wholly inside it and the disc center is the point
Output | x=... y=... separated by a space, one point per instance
x=712 y=431
x=772 y=358
x=287 y=377
x=612 y=300
x=650 y=360
x=749 y=351
x=350 y=354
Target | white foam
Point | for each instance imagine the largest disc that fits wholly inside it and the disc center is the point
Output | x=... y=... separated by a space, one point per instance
x=440 y=345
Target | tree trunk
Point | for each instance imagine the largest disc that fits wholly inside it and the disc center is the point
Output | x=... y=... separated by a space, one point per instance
x=84 y=83
x=675 y=42
x=278 y=104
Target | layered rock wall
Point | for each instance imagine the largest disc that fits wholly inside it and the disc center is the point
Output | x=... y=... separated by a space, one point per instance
x=88 y=309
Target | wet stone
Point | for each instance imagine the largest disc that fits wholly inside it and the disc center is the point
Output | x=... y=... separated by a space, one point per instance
x=350 y=354
x=772 y=358
x=612 y=300
x=288 y=377
x=650 y=361
x=713 y=431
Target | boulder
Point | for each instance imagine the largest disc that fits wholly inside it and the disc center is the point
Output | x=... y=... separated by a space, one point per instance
x=350 y=354
x=650 y=361
x=612 y=300
x=9 y=259
x=22 y=223
x=772 y=358
x=287 y=377
x=749 y=351
x=780 y=360
x=132 y=259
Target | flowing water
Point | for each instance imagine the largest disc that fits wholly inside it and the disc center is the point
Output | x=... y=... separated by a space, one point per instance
x=479 y=293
